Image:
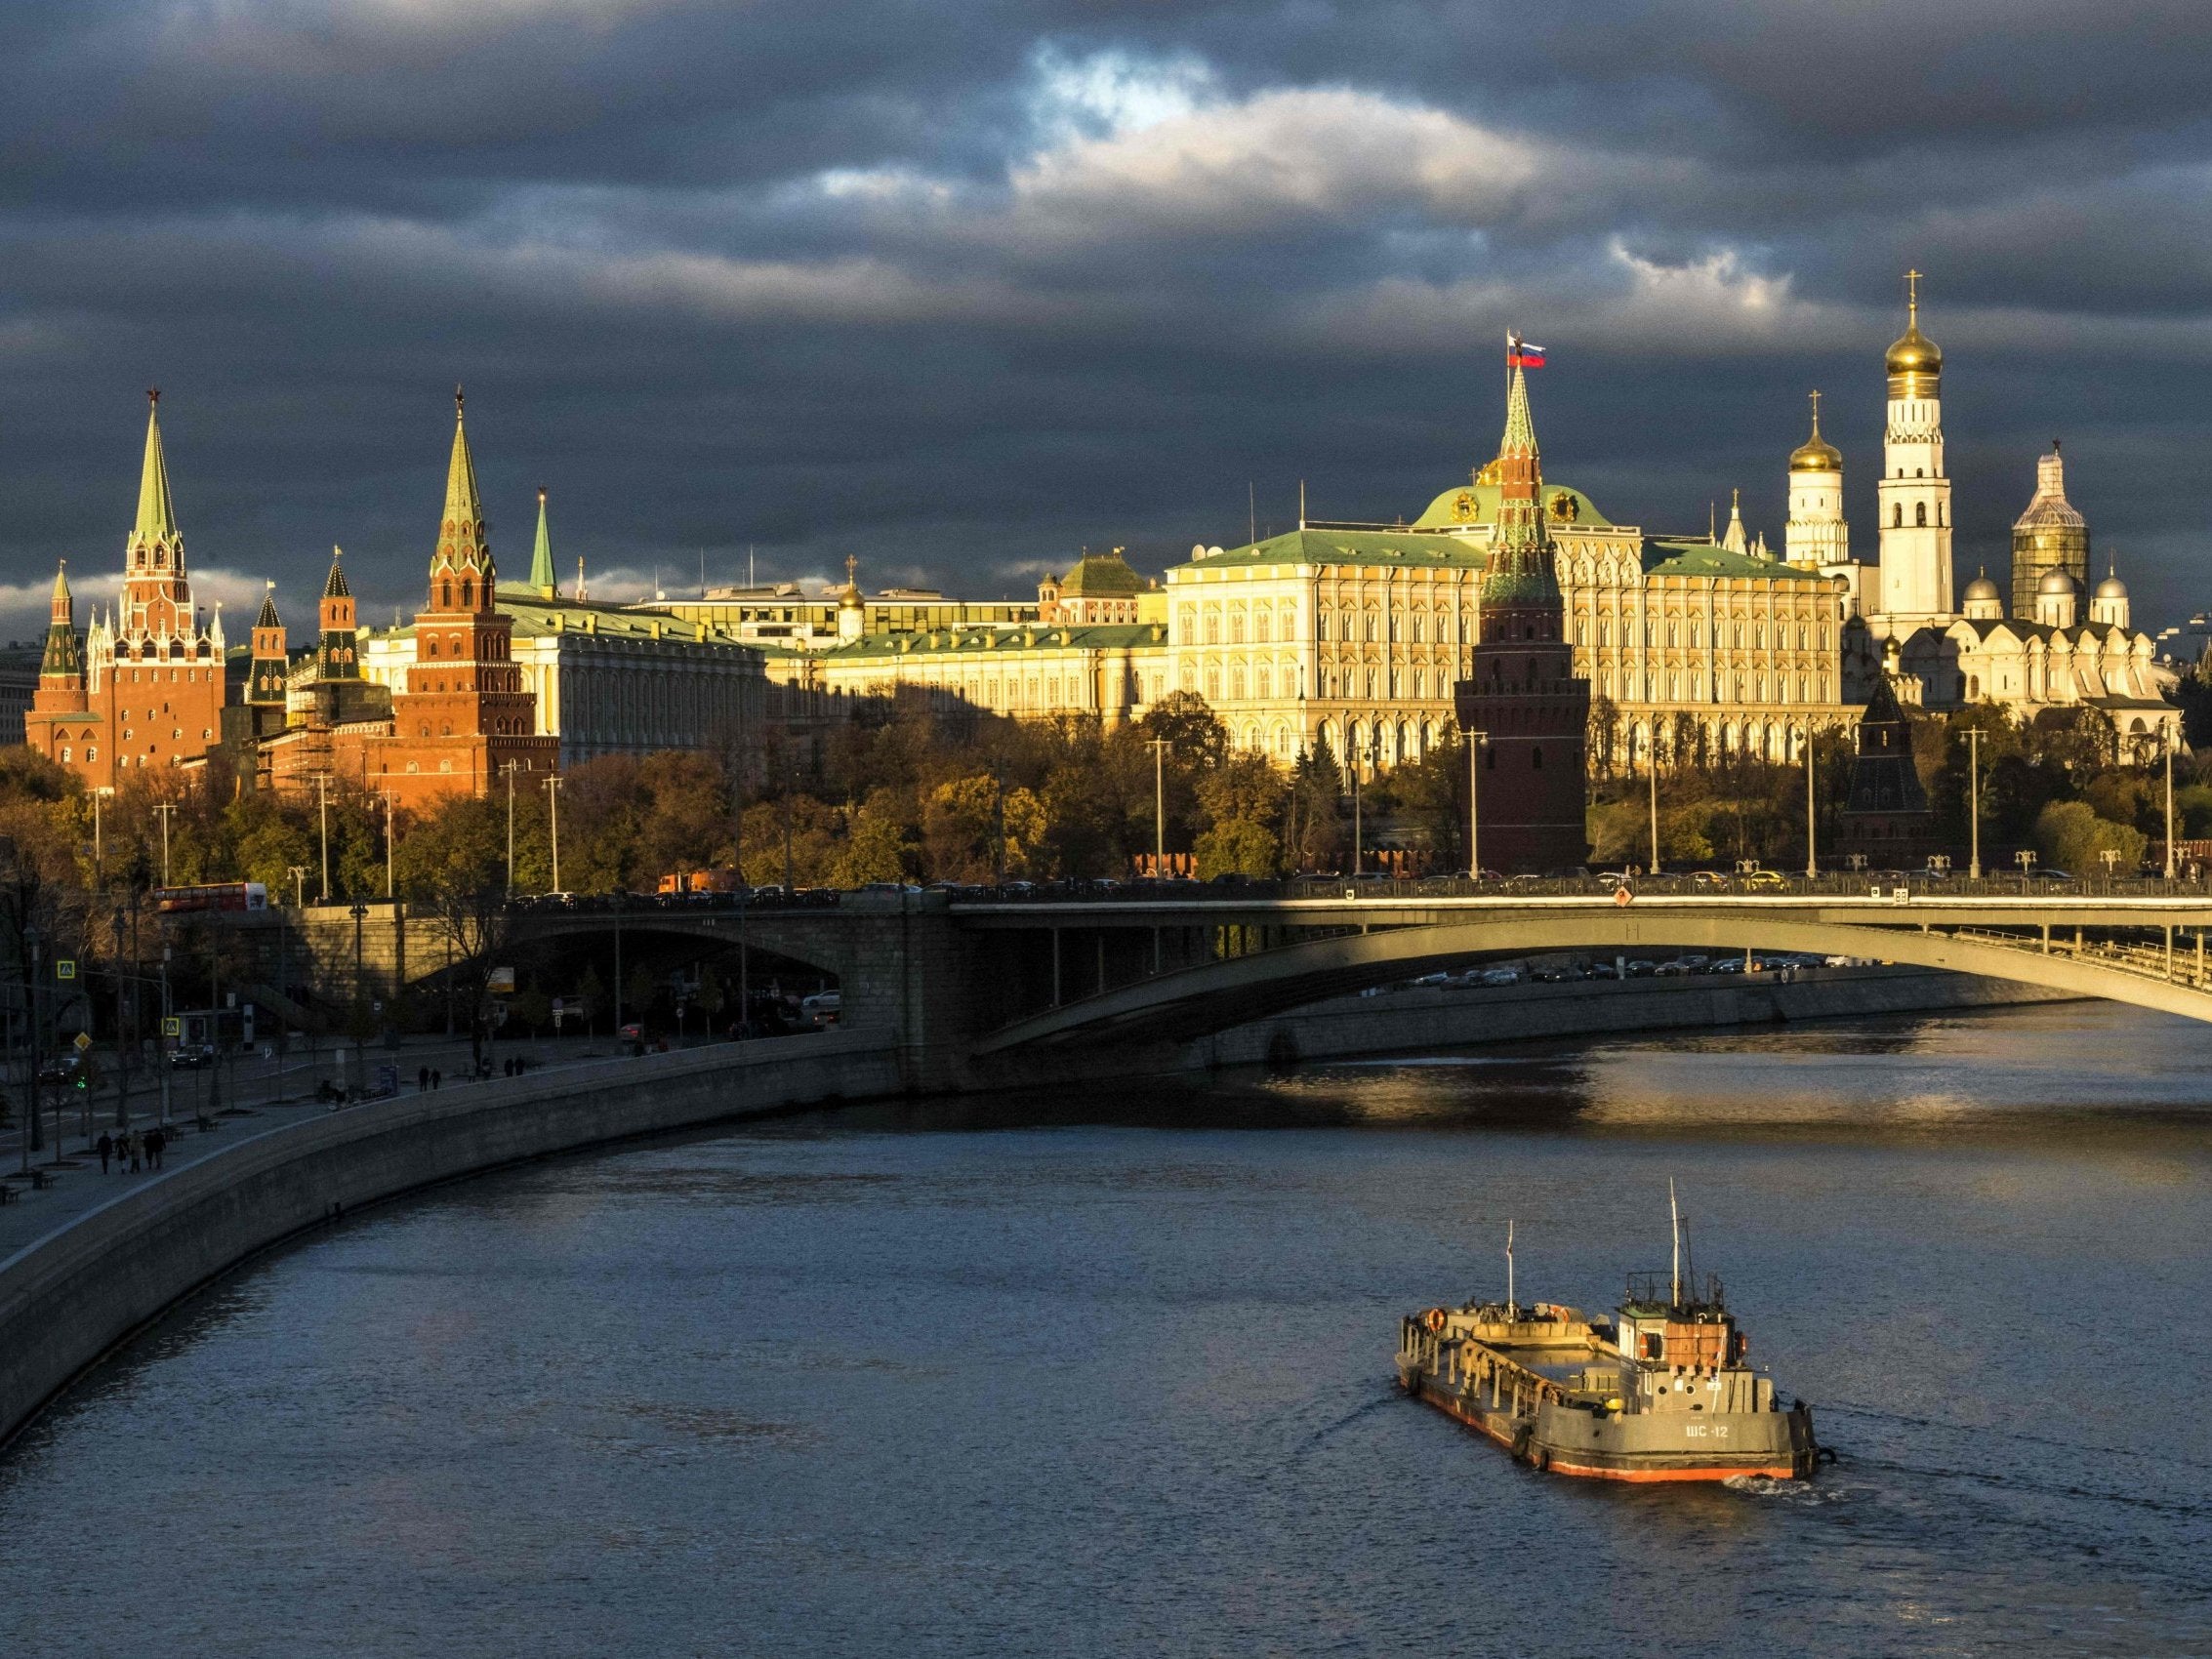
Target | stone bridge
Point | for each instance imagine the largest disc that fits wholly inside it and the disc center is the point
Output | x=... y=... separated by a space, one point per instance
x=978 y=989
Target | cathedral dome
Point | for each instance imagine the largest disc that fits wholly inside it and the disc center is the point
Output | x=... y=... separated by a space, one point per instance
x=2055 y=582
x=1981 y=587
x=2111 y=588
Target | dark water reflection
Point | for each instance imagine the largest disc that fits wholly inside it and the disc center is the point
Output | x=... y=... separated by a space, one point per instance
x=1108 y=1373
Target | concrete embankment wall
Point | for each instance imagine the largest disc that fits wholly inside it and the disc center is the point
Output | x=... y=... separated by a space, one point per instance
x=70 y=1297
x=1438 y=1016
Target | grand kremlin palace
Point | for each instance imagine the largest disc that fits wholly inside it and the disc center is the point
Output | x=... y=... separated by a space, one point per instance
x=1353 y=636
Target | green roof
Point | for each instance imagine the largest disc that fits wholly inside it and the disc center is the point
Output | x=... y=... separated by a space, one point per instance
x=1351 y=547
x=953 y=641
x=1477 y=504
x=534 y=617
x=1703 y=558
x=1101 y=576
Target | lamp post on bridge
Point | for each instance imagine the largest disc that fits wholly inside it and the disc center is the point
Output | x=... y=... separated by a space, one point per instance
x=1812 y=821
x=1974 y=799
x=1159 y=748
x=1475 y=742
x=2169 y=803
x=553 y=825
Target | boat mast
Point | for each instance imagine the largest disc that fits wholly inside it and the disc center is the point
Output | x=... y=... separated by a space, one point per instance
x=1674 y=1215
x=1511 y=1304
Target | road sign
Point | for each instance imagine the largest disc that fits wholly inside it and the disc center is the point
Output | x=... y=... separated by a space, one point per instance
x=84 y=1041
x=172 y=1026
x=64 y=967
x=502 y=981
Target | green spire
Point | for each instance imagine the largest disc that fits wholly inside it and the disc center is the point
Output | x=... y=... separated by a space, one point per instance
x=1519 y=568
x=63 y=659
x=462 y=548
x=157 y=513
x=541 y=557
x=1520 y=426
x=462 y=505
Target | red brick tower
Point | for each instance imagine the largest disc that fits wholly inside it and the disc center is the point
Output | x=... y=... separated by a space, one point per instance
x=1523 y=696
x=60 y=724
x=464 y=714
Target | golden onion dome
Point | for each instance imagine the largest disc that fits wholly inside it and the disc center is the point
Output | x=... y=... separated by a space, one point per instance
x=1916 y=362
x=1815 y=453
x=1914 y=353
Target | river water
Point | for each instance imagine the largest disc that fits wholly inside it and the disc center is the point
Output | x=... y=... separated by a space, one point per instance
x=1111 y=1374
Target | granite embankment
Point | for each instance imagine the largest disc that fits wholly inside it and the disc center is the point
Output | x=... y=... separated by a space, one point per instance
x=104 y=1269
x=1415 y=1017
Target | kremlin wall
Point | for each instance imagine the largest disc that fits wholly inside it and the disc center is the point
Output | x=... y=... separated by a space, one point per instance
x=1372 y=640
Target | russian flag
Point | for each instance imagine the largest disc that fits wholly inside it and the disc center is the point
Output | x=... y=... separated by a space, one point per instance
x=1525 y=356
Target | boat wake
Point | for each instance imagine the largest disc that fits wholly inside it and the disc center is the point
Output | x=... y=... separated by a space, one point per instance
x=1785 y=1491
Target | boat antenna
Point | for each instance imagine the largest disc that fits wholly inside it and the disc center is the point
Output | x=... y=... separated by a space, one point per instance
x=1674 y=1213
x=1512 y=1306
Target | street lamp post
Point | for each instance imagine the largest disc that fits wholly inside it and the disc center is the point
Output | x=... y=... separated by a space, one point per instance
x=1475 y=742
x=1812 y=821
x=357 y=1073
x=322 y=807
x=509 y=769
x=1160 y=748
x=389 y=846
x=1974 y=799
x=1356 y=752
x=165 y=809
x=299 y=875
x=2169 y=803
x=1652 y=776
x=553 y=825
x=162 y=1059
x=34 y=1140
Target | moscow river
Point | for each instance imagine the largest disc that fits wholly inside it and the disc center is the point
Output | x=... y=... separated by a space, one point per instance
x=1111 y=1373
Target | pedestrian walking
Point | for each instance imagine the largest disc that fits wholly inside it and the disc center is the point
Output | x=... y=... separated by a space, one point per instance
x=437 y=1079
x=106 y=1148
x=132 y=1149
x=157 y=1143
x=423 y=1080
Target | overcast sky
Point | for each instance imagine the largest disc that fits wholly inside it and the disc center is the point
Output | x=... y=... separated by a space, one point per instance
x=960 y=287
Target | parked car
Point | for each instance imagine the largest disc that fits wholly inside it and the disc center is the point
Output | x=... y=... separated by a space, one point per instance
x=1501 y=976
x=1759 y=878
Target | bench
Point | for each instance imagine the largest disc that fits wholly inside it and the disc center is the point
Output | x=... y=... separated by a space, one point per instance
x=7 y=1194
x=40 y=1180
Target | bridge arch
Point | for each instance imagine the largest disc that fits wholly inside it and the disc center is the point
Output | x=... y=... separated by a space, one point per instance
x=1193 y=1003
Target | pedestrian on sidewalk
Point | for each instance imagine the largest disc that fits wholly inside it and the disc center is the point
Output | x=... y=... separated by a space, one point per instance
x=437 y=1079
x=132 y=1149
x=107 y=1149
x=423 y=1080
x=157 y=1143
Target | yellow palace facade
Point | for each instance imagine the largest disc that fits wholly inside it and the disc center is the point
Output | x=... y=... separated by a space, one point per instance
x=1353 y=636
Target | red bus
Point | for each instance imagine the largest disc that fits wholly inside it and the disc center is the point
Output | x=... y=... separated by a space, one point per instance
x=212 y=896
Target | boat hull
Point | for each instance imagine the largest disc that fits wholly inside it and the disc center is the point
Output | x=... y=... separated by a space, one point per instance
x=1652 y=1447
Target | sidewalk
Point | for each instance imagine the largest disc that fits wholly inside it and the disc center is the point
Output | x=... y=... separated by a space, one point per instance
x=80 y=1187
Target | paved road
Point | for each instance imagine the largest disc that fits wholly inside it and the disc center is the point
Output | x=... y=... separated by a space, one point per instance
x=256 y=1092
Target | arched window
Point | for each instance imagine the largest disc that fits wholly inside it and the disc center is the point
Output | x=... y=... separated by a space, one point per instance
x=1896 y=516
x=1213 y=629
x=1920 y=514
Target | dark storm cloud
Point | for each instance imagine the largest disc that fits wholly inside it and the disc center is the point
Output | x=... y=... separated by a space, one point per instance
x=959 y=288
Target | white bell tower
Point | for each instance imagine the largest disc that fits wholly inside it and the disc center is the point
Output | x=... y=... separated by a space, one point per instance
x=1913 y=493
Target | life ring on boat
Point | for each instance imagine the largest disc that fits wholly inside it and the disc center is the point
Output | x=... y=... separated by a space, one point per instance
x=1435 y=1318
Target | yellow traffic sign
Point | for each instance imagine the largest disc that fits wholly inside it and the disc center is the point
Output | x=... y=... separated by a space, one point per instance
x=84 y=1041
x=64 y=967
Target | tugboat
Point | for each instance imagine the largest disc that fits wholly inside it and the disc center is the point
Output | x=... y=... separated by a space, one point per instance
x=1662 y=1394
